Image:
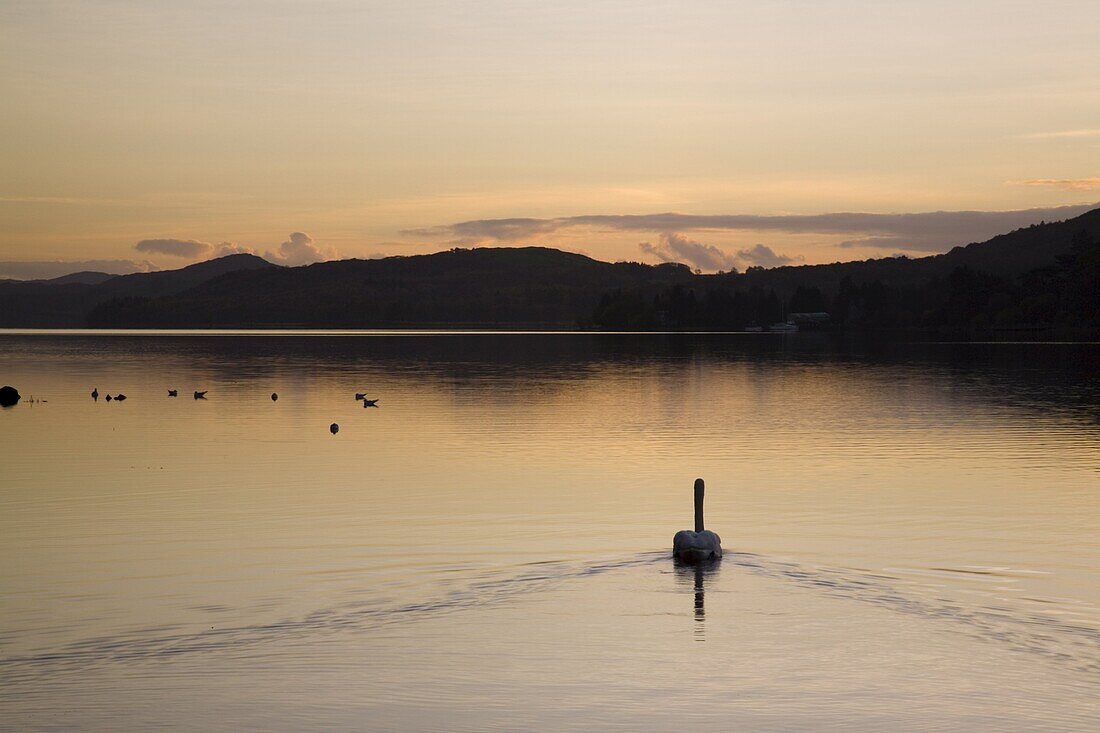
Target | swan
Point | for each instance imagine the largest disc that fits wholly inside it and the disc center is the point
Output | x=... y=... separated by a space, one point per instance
x=173 y=392
x=274 y=396
x=95 y=394
x=700 y=545
x=119 y=397
x=369 y=403
x=360 y=396
x=201 y=395
x=334 y=428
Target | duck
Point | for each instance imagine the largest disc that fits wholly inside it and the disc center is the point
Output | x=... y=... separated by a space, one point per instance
x=334 y=428
x=173 y=393
x=201 y=395
x=369 y=403
x=95 y=393
x=360 y=396
x=119 y=397
x=274 y=396
x=109 y=397
x=701 y=545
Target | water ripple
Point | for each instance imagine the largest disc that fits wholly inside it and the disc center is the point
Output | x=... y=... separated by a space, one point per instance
x=1072 y=645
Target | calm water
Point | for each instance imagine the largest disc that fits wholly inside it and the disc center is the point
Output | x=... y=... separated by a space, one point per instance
x=912 y=534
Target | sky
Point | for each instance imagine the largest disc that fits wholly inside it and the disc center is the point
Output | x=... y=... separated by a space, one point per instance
x=144 y=135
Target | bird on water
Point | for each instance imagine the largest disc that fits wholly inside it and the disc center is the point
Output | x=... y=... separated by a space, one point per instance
x=201 y=395
x=119 y=397
x=95 y=393
x=360 y=396
x=702 y=544
x=274 y=396
x=369 y=403
x=109 y=397
x=334 y=428
x=173 y=393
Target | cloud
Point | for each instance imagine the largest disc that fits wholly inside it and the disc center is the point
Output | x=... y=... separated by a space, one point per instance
x=1069 y=184
x=47 y=269
x=933 y=231
x=471 y=232
x=184 y=248
x=763 y=256
x=231 y=248
x=1062 y=134
x=300 y=249
x=675 y=247
x=187 y=248
x=191 y=249
x=912 y=243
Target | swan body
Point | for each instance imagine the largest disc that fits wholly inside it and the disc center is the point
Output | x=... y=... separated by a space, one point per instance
x=697 y=546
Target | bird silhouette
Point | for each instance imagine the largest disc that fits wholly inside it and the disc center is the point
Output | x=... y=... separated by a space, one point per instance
x=173 y=392
x=95 y=394
x=360 y=396
x=201 y=395
x=369 y=403
x=334 y=428
x=109 y=397
x=700 y=545
x=274 y=396
x=119 y=397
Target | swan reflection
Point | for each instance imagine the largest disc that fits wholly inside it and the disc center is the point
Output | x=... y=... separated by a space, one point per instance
x=696 y=574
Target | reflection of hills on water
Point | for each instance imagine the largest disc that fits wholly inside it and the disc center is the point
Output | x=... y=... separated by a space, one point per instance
x=533 y=367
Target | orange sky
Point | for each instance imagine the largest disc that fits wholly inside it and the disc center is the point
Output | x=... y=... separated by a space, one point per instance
x=371 y=128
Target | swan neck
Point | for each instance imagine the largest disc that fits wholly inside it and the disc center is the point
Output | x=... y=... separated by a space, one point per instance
x=699 y=505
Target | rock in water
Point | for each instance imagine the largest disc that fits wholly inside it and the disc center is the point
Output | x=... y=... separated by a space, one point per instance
x=8 y=396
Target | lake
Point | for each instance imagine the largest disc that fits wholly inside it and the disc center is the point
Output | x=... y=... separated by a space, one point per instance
x=912 y=533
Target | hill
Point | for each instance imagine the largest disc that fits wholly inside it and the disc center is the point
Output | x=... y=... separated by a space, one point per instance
x=86 y=277
x=66 y=302
x=515 y=287
x=1037 y=277
x=1016 y=279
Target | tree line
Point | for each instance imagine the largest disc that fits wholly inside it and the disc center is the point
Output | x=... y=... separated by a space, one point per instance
x=1064 y=294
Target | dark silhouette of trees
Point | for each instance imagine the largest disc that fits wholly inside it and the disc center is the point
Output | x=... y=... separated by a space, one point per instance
x=1038 y=277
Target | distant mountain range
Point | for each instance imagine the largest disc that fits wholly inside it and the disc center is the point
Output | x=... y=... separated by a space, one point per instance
x=67 y=301
x=545 y=288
